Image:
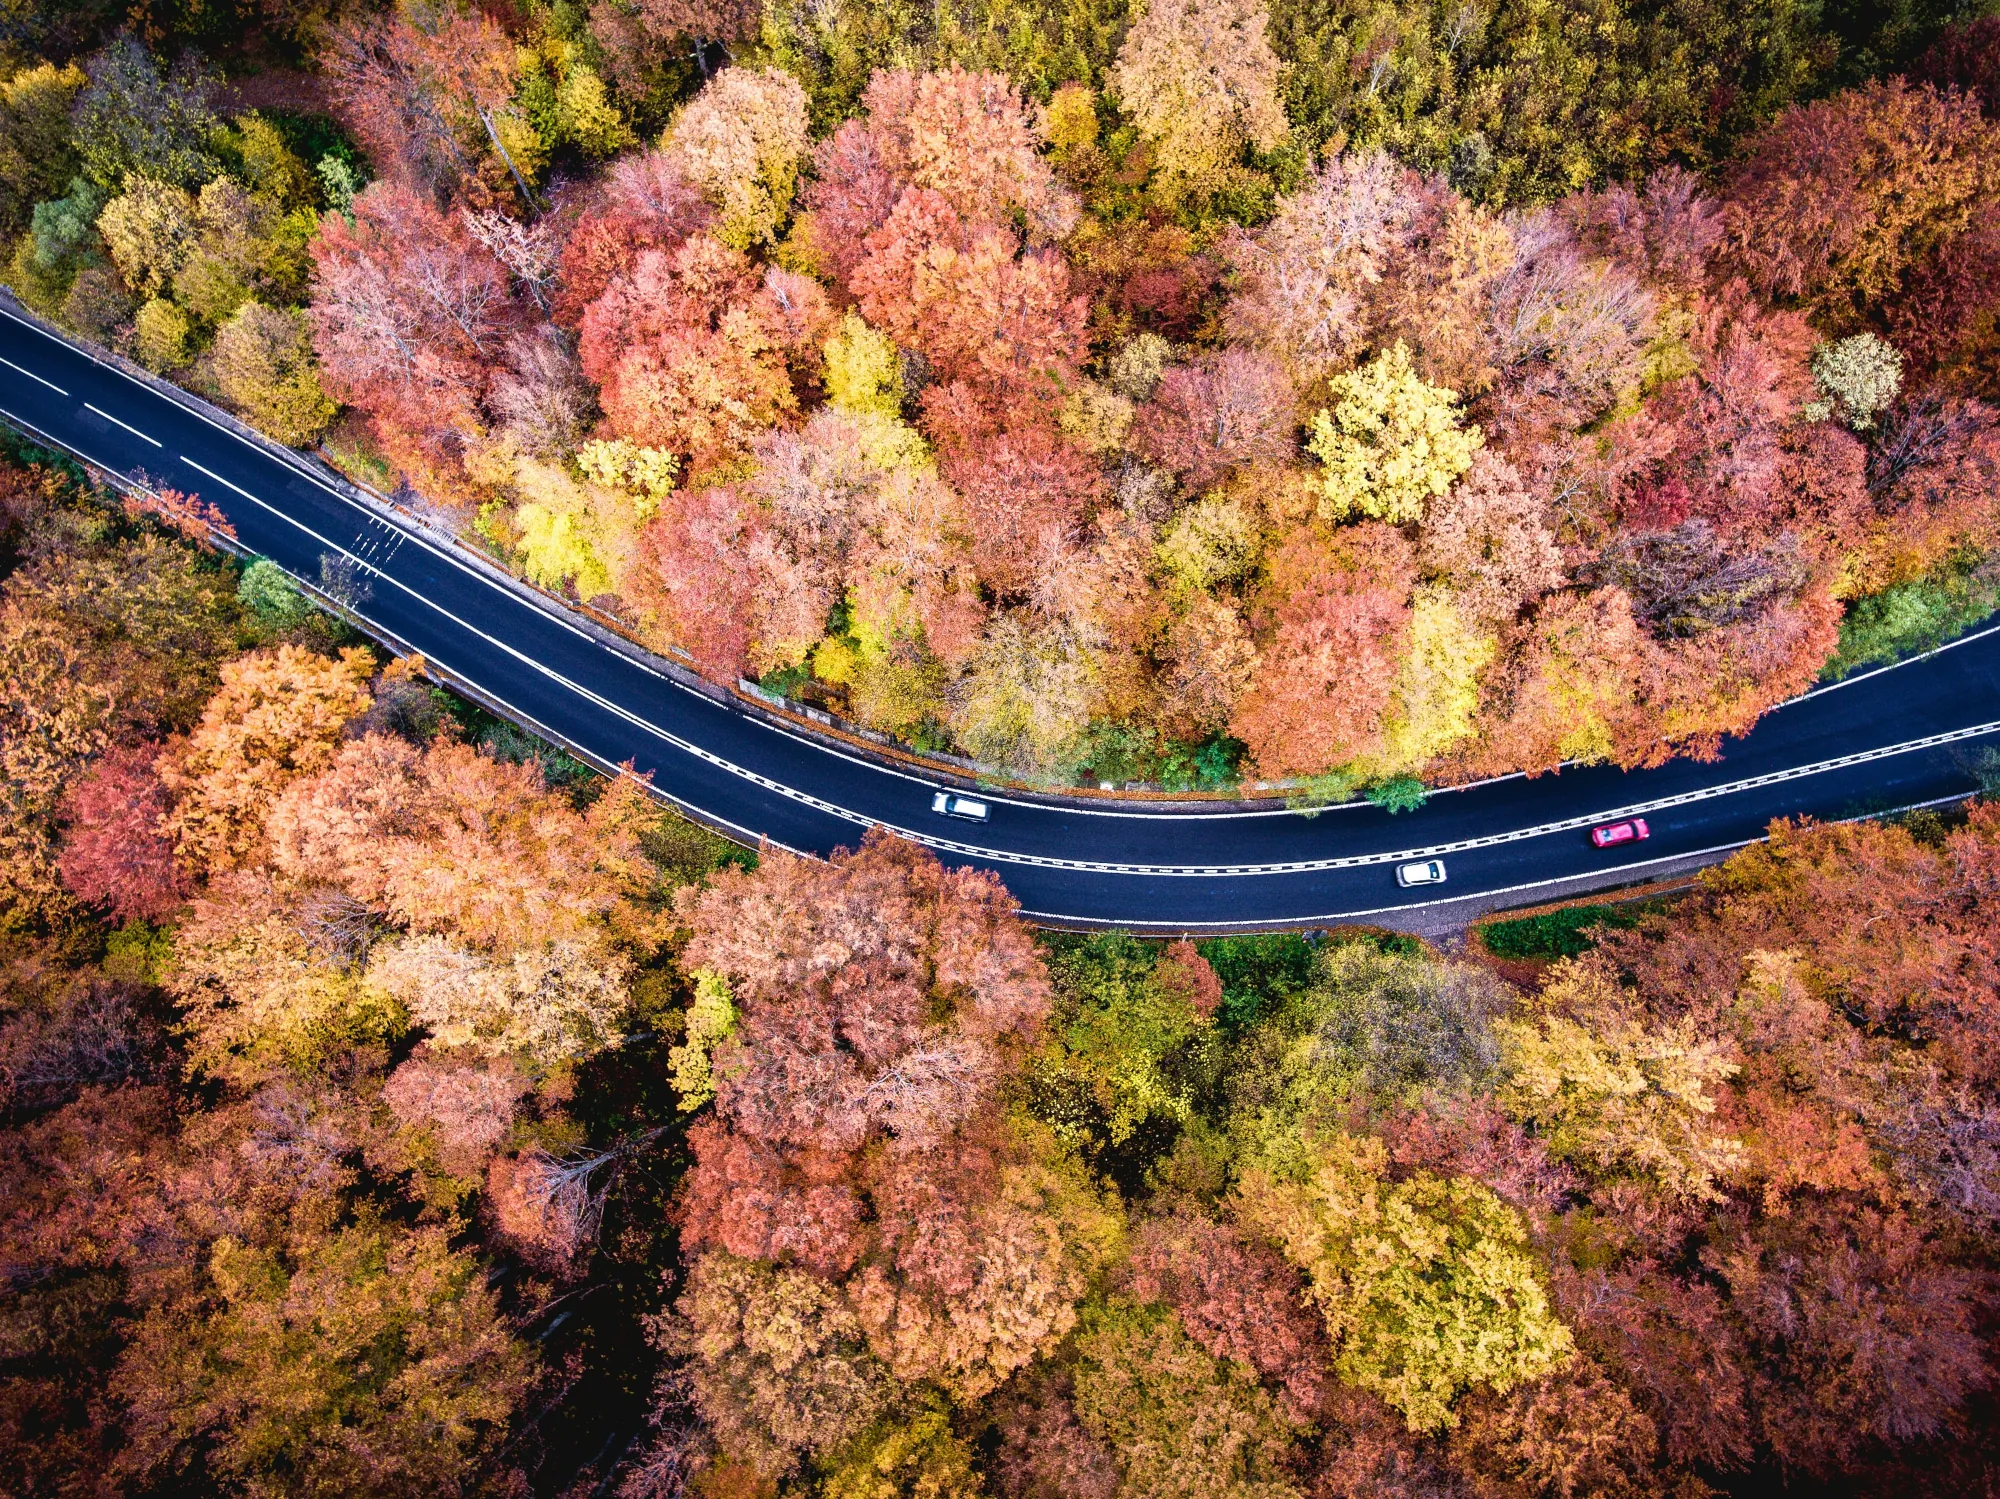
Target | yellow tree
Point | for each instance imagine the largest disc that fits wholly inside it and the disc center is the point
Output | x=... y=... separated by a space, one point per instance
x=1391 y=443
x=1426 y=1284
x=1612 y=1094
x=739 y=141
x=277 y=716
x=1200 y=80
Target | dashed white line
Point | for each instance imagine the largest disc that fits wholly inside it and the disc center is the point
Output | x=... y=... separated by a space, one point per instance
x=126 y=425
x=950 y=845
x=1042 y=861
x=34 y=377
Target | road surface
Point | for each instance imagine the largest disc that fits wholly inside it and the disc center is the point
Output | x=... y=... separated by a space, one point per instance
x=1887 y=739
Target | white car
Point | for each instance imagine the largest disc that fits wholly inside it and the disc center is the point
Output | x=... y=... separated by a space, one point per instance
x=1423 y=872
x=951 y=804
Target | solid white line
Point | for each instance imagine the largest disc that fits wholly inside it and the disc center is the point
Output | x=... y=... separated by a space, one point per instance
x=34 y=377
x=1291 y=923
x=799 y=736
x=1302 y=866
x=861 y=820
x=126 y=425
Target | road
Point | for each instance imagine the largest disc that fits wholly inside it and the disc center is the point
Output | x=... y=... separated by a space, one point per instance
x=1891 y=738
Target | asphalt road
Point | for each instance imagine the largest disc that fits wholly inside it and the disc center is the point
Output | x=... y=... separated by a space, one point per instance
x=1888 y=739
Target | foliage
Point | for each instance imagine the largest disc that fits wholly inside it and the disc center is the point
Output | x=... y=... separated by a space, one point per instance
x=1199 y=80
x=1563 y=933
x=362 y=1357
x=1918 y=615
x=1390 y=443
x=1601 y=1090
x=264 y=364
x=1425 y=1286
x=1182 y=1422
x=711 y=1019
x=740 y=143
x=278 y=716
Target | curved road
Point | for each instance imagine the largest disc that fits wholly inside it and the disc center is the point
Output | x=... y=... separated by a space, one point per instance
x=1887 y=739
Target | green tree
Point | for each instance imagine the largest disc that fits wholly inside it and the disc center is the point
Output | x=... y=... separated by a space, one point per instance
x=1426 y=1285
x=1132 y=1042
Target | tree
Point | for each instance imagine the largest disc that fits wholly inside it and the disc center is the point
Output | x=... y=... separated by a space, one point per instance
x=1575 y=1432
x=914 y=1454
x=455 y=843
x=430 y=94
x=1436 y=696
x=1391 y=442
x=1859 y=377
x=645 y=203
x=779 y=1367
x=150 y=231
x=1602 y=1090
x=409 y=315
x=132 y=121
x=54 y=709
x=1204 y=662
x=1425 y=1286
x=546 y=1006
x=740 y=142
x=36 y=154
x=881 y=1002
x=116 y=852
x=277 y=717
x=1307 y=275
x=1199 y=79
x=1488 y=536
x=1239 y=1301
x=265 y=980
x=1128 y=1037
x=690 y=350
x=1228 y=411
x=1839 y=202
x=358 y=1358
x=464 y=1110
x=264 y=364
x=1859 y=1335
x=964 y=296
x=1183 y=1423
x=863 y=373
x=1331 y=616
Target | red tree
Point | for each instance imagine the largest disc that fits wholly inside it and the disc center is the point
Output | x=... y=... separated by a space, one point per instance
x=115 y=853
x=409 y=317
x=1226 y=411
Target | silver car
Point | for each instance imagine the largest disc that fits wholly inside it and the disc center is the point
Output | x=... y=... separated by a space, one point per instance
x=952 y=804
x=1423 y=872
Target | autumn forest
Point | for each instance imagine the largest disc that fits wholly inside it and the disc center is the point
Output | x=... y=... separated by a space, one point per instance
x=1325 y=400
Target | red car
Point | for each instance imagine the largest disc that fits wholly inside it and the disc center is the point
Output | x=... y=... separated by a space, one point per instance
x=1620 y=832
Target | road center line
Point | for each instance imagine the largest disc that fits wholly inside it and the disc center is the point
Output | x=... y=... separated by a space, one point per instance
x=34 y=377
x=1093 y=866
x=126 y=425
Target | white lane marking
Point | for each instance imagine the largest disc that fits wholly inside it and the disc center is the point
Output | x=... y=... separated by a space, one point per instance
x=126 y=425
x=861 y=820
x=1293 y=923
x=34 y=377
x=806 y=739
x=1092 y=866
x=109 y=468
